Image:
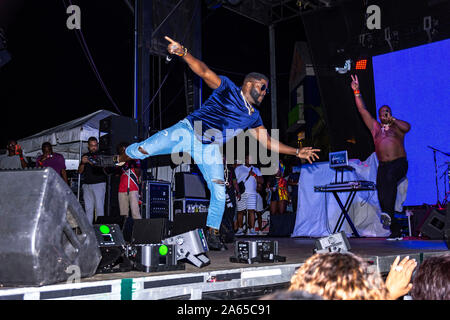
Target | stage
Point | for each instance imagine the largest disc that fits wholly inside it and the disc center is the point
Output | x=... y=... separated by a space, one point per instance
x=222 y=279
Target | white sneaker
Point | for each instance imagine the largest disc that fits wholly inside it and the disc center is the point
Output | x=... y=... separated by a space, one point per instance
x=251 y=232
x=239 y=232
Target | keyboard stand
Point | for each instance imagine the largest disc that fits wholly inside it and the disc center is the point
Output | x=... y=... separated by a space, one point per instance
x=344 y=213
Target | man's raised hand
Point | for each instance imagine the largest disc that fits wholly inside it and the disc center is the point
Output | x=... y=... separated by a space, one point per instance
x=174 y=47
x=355 y=82
x=308 y=153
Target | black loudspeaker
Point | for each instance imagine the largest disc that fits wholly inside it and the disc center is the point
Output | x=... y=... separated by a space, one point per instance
x=118 y=129
x=435 y=225
x=44 y=231
x=420 y=214
x=189 y=185
x=281 y=225
x=148 y=231
x=112 y=208
x=183 y=223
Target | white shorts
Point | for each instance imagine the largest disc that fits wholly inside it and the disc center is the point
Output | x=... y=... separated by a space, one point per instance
x=259 y=203
x=247 y=202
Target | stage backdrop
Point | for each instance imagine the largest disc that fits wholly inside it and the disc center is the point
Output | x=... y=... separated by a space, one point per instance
x=415 y=83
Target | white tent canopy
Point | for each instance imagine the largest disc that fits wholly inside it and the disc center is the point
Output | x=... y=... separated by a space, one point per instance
x=67 y=137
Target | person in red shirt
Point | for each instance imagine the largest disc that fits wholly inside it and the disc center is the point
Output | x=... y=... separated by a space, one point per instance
x=128 y=194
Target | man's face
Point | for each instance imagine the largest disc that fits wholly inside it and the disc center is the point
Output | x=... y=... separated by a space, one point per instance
x=93 y=146
x=11 y=146
x=384 y=113
x=258 y=90
x=47 y=149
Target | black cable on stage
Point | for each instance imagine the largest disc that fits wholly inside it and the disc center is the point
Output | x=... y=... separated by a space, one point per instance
x=86 y=51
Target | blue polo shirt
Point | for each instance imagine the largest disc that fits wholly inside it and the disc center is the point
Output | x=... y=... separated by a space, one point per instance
x=224 y=115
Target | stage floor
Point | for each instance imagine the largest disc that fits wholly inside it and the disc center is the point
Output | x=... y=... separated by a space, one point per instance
x=221 y=275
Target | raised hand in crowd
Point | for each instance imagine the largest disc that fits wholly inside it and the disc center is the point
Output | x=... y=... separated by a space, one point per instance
x=398 y=281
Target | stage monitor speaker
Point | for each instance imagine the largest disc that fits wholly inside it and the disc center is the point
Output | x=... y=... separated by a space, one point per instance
x=43 y=230
x=118 y=129
x=435 y=225
x=189 y=185
x=150 y=231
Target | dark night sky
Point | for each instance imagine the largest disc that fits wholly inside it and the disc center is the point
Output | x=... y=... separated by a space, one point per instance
x=49 y=80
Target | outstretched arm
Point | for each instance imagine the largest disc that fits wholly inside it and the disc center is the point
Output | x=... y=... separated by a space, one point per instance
x=260 y=134
x=199 y=67
x=367 y=117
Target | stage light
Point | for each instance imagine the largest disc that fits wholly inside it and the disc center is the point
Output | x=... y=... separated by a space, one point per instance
x=258 y=251
x=336 y=242
x=104 y=229
x=163 y=249
x=347 y=67
x=361 y=64
x=192 y=246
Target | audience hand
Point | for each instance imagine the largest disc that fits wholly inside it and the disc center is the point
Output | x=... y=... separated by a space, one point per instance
x=355 y=82
x=399 y=277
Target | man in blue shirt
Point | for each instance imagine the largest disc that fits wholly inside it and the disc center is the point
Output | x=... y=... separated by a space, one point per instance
x=226 y=113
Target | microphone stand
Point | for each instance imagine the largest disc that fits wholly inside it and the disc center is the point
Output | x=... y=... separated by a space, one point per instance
x=436 y=173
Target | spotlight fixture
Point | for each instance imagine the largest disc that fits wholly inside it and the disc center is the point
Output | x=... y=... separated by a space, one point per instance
x=346 y=68
x=336 y=242
x=361 y=64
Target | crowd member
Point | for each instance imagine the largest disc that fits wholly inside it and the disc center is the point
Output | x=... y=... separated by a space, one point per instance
x=227 y=112
x=13 y=159
x=278 y=191
x=53 y=160
x=250 y=176
x=432 y=279
x=94 y=182
x=129 y=185
x=259 y=211
x=388 y=136
x=345 y=276
x=293 y=180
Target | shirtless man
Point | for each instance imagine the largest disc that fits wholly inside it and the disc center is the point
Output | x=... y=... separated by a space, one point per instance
x=388 y=137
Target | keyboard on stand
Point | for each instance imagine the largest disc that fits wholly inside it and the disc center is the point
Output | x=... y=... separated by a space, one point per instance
x=359 y=185
x=350 y=186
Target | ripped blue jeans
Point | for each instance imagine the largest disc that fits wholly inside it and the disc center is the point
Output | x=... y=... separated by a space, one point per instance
x=181 y=138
